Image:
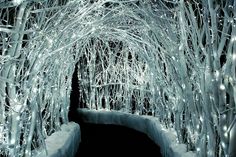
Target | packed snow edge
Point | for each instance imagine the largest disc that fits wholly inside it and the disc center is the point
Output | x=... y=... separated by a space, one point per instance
x=149 y=125
x=62 y=143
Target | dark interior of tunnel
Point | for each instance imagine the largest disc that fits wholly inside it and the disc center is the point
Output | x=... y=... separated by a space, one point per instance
x=106 y=139
x=74 y=96
x=112 y=140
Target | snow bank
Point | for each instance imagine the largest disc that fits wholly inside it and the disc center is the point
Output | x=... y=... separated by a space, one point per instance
x=166 y=139
x=63 y=143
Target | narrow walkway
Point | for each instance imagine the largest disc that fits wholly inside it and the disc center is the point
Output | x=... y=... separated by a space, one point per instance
x=112 y=140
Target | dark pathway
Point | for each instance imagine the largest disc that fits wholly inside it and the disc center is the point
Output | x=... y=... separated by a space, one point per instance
x=112 y=140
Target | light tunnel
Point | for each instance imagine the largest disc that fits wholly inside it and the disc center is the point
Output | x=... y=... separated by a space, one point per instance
x=171 y=60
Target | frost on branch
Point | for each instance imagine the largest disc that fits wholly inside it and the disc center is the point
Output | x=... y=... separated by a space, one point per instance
x=174 y=60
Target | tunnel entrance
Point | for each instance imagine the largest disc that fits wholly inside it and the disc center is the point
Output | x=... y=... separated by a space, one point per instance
x=113 y=140
x=74 y=95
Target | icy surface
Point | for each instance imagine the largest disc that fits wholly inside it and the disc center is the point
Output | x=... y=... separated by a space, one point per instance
x=63 y=143
x=151 y=126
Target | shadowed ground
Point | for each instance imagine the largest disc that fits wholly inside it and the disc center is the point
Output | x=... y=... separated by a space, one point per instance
x=112 y=140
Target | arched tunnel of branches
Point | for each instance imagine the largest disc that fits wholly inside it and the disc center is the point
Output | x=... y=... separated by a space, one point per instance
x=171 y=59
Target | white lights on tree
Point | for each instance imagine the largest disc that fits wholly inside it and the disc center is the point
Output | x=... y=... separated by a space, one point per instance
x=172 y=59
x=17 y=2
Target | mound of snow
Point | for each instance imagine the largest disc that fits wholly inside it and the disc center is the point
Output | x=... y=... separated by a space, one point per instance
x=62 y=143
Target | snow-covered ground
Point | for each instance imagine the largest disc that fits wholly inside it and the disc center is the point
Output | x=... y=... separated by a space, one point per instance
x=63 y=143
x=66 y=142
x=166 y=139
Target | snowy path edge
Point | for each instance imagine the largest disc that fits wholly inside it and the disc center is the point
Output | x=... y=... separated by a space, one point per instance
x=149 y=125
x=62 y=143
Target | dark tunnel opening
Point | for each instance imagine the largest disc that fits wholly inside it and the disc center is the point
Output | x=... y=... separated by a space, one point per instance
x=106 y=139
x=74 y=96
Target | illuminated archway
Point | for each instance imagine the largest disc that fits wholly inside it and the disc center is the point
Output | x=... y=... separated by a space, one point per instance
x=174 y=60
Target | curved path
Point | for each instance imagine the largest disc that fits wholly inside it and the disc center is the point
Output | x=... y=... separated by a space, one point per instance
x=112 y=140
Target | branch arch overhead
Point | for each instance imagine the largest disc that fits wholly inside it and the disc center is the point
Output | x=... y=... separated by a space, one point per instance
x=174 y=60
